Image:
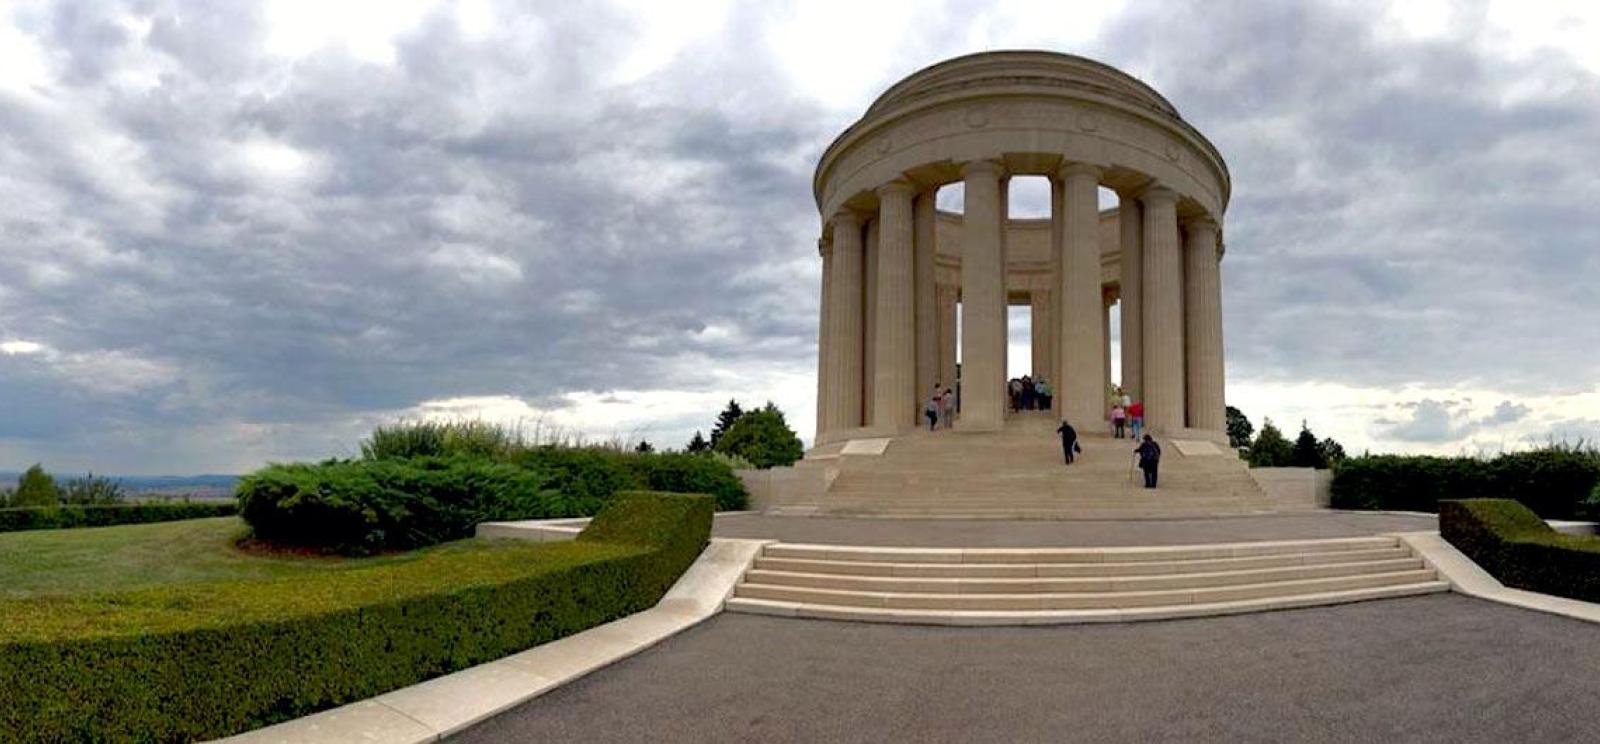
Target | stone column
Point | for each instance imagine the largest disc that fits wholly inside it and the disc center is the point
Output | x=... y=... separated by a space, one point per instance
x=1044 y=333
x=895 y=380
x=1130 y=238
x=869 y=319
x=947 y=335
x=922 y=248
x=1202 y=304
x=845 y=323
x=824 y=384
x=983 y=299
x=1163 y=312
x=1079 y=287
x=1107 y=299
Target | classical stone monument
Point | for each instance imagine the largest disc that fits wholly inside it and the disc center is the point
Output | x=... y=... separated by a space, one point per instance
x=894 y=267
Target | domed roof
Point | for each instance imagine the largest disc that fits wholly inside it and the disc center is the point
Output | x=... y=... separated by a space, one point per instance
x=1020 y=68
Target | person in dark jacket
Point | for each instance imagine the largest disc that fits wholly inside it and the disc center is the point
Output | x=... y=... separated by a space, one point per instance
x=1149 y=459
x=1069 y=441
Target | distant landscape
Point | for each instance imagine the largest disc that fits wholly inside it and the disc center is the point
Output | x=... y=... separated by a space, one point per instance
x=208 y=487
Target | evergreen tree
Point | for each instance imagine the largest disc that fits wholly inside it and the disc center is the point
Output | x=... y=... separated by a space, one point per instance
x=698 y=445
x=35 y=488
x=1270 y=449
x=1332 y=451
x=725 y=421
x=644 y=447
x=1239 y=428
x=763 y=437
x=1305 y=453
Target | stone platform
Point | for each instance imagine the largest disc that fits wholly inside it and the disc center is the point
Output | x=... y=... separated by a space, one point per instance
x=1014 y=473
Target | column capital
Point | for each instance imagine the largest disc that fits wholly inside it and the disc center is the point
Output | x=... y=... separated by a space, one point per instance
x=824 y=247
x=1197 y=224
x=1158 y=194
x=980 y=167
x=898 y=186
x=845 y=219
x=1068 y=170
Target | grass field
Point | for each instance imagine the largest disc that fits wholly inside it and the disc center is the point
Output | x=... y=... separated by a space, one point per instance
x=60 y=562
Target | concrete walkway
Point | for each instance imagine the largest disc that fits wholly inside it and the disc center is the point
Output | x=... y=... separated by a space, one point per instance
x=1022 y=533
x=1443 y=668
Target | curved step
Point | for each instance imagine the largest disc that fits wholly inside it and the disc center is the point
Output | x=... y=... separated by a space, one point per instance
x=1064 y=617
x=1043 y=600
x=1073 y=555
x=1028 y=570
x=1063 y=585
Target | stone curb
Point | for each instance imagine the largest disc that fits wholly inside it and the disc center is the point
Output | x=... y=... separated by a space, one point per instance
x=440 y=707
x=1466 y=577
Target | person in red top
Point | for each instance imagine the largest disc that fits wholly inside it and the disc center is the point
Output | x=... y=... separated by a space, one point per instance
x=1136 y=418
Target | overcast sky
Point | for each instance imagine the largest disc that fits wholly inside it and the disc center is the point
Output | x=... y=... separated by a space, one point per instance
x=234 y=233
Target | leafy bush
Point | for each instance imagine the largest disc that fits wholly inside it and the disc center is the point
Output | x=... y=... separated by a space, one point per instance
x=1555 y=482
x=20 y=518
x=1270 y=450
x=1516 y=547
x=91 y=490
x=582 y=480
x=200 y=661
x=35 y=488
x=762 y=437
x=441 y=439
x=361 y=506
x=685 y=473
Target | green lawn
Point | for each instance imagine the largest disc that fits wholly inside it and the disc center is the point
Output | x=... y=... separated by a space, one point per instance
x=57 y=562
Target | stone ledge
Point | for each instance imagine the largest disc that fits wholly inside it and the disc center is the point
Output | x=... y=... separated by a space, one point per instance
x=439 y=707
x=1467 y=577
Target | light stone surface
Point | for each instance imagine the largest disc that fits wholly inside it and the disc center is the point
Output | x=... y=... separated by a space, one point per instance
x=1080 y=123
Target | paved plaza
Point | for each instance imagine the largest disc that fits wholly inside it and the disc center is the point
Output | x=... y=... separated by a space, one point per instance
x=1443 y=668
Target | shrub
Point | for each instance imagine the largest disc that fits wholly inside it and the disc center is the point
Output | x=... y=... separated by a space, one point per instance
x=91 y=490
x=1270 y=450
x=201 y=661
x=1555 y=482
x=35 y=488
x=441 y=439
x=361 y=506
x=582 y=480
x=685 y=473
x=1510 y=542
x=762 y=437
x=20 y=518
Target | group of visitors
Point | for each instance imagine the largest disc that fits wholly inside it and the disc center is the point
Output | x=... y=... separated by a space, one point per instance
x=1125 y=413
x=1028 y=394
x=940 y=407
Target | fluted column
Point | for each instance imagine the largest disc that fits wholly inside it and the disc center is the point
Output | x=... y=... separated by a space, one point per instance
x=824 y=381
x=895 y=372
x=845 y=323
x=1202 y=300
x=1079 y=285
x=1042 y=304
x=1130 y=238
x=923 y=250
x=869 y=320
x=1163 y=312
x=947 y=335
x=983 y=299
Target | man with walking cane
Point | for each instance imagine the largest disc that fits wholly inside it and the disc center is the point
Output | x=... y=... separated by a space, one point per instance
x=1149 y=459
x=1069 y=441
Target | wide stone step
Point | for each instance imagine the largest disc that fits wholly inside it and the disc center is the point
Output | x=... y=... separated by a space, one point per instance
x=1078 y=600
x=1061 y=585
x=1031 y=570
x=1061 y=617
x=1073 y=555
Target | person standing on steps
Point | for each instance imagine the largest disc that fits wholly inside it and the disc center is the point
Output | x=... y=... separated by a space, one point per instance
x=931 y=410
x=1069 y=441
x=949 y=410
x=1136 y=417
x=1149 y=459
x=1118 y=419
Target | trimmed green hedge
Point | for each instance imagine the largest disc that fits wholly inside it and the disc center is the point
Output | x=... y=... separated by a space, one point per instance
x=1554 y=482
x=16 y=519
x=584 y=479
x=1515 y=546
x=206 y=660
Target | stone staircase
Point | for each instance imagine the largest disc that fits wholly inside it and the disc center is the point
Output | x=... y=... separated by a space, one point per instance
x=1017 y=473
x=1027 y=586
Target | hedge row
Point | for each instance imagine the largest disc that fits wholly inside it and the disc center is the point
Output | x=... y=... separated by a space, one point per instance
x=1554 y=482
x=200 y=661
x=1516 y=547
x=363 y=506
x=20 y=518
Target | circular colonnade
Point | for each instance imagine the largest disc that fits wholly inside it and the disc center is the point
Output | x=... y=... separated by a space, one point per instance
x=894 y=267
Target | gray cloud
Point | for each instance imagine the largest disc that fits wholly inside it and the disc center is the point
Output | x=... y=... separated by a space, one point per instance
x=233 y=256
